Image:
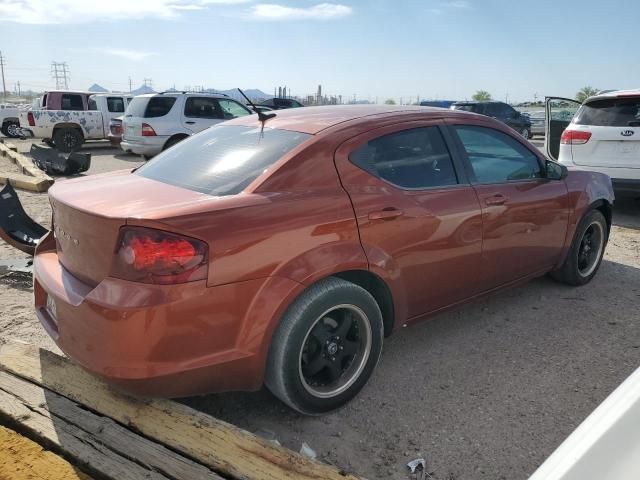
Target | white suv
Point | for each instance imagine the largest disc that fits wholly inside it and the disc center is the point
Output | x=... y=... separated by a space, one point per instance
x=154 y=122
x=602 y=135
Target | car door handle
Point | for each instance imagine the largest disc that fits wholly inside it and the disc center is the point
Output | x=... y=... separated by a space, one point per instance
x=190 y=122
x=386 y=214
x=498 y=199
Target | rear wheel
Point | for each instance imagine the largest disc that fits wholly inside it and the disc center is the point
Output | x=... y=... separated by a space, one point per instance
x=172 y=141
x=326 y=347
x=10 y=129
x=587 y=250
x=68 y=139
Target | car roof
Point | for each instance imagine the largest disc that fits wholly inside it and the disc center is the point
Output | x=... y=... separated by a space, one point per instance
x=313 y=120
x=179 y=94
x=614 y=94
x=475 y=102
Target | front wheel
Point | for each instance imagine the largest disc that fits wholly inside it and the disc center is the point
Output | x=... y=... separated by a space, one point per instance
x=586 y=252
x=326 y=347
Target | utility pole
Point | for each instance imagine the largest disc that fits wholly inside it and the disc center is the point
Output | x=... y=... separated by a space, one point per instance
x=4 y=88
x=148 y=82
x=18 y=91
x=130 y=85
x=60 y=72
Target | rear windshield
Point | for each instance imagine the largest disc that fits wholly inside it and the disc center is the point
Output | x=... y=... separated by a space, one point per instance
x=222 y=160
x=610 y=112
x=149 y=107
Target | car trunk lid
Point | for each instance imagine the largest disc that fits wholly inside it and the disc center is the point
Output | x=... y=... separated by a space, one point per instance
x=88 y=214
x=616 y=147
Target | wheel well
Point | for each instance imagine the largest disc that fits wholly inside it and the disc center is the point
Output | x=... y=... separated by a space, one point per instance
x=180 y=136
x=606 y=209
x=377 y=288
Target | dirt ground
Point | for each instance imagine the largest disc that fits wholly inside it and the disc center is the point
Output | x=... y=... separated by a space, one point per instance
x=484 y=392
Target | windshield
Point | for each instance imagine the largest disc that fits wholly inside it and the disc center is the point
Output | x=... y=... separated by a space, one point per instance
x=610 y=112
x=223 y=159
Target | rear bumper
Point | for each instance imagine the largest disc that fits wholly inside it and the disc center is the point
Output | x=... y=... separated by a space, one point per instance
x=160 y=340
x=144 y=145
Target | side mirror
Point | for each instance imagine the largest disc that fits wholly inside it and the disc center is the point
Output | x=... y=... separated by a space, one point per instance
x=555 y=171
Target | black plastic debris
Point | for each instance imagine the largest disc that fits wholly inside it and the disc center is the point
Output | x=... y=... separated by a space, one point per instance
x=52 y=161
x=16 y=227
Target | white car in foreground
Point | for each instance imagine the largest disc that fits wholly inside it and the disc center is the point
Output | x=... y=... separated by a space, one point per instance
x=606 y=446
x=602 y=135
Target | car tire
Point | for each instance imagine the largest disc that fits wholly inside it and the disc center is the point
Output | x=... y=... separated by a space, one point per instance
x=68 y=140
x=172 y=141
x=586 y=252
x=10 y=129
x=327 y=345
x=525 y=132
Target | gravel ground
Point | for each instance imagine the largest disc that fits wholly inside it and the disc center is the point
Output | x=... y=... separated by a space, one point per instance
x=484 y=392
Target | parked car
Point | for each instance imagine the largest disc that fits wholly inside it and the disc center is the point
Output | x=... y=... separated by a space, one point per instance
x=538 y=123
x=157 y=121
x=281 y=103
x=605 y=445
x=9 y=120
x=222 y=264
x=115 y=131
x=437 y=103
x=69 y=127
x=600 y=135
x=500 y=111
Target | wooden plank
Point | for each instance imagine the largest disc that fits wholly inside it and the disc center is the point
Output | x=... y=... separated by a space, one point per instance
x=24 y=163
x=26 y=182
x=22 y=459
x=64 y=415
x=224 y=447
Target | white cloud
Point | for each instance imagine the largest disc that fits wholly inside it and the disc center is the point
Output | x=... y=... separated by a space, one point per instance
x=83 y=11
x=443 y=7
x=322 y=11
x=134 y=55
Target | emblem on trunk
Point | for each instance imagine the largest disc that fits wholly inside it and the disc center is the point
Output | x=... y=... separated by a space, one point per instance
x=60 y=233
x=627 y=133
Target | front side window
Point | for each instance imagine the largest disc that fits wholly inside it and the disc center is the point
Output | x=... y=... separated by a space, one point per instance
x=610 y=112
x=115 y=104
x=221 y=160
x=232 y=109
x=71 y=102
x=496 y=157
x=202 y=107
x=414 y=159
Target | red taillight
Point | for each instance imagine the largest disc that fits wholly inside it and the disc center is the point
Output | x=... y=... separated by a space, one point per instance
x=147 y=131
x=152 y=256
x=116 y=129
x=575 y=137
x=31 y=120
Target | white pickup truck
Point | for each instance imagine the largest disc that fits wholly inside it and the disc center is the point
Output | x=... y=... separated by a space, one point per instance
x=86 y=118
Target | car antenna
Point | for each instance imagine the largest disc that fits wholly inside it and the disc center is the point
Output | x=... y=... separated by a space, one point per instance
x=263 y=117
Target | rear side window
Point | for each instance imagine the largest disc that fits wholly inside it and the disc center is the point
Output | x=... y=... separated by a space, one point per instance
x=71 y=102
x=415 y=159
x=202 y=107
x=115 y=104
x=610 y=112
x=222 y=160
x=496 y=157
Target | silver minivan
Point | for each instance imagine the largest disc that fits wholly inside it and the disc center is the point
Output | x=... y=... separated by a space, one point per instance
x=154 y=122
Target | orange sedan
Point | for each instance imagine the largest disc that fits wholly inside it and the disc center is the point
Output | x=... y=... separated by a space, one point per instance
x=283 y=251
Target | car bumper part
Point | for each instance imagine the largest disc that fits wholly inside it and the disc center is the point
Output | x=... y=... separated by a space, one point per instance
x=143 y=146
x=158 y=340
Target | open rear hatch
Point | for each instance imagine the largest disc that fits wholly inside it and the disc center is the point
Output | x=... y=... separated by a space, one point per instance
x=89 y=212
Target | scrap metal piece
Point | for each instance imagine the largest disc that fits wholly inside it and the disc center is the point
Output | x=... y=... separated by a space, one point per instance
x=16 y=265
x=308 y=452
x=52 y=161
x=16 y=227
x=418 y=469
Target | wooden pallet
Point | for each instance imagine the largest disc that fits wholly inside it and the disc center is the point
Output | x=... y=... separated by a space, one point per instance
x=31 y=178
x=107 y=434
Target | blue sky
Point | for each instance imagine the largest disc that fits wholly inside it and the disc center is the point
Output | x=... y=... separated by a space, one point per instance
x=377 y=48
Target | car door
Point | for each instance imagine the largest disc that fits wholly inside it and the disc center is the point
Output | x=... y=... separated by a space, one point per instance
x=524 y=215
x=201 y=112
x=418 y=217
x=558 y=112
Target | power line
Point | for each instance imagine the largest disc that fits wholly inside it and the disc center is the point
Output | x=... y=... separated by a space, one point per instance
x=60 y=72
x=4 y=88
